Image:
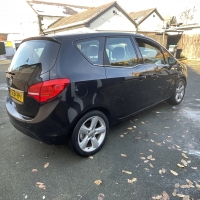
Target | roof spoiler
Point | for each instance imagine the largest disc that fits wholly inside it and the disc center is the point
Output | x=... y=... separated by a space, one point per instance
x=41 y=38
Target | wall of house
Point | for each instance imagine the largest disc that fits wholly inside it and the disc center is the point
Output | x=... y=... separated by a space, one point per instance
x=110 y=21
x=152 y=23
x=29 y=23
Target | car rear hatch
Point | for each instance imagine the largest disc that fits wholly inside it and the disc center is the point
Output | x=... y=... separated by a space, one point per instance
x=30 y=65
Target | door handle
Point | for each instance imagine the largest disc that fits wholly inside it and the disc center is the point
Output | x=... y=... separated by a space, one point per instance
x=154 y=76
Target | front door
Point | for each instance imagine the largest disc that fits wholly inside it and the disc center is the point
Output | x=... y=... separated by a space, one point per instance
x=127 y=85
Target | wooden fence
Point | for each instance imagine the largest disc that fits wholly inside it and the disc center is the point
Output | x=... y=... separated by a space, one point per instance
x=162 y=39
x=189 y=44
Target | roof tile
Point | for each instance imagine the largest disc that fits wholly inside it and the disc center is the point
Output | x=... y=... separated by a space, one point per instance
x=83 y=16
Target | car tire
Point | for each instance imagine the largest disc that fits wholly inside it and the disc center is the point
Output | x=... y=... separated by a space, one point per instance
x=89 y=134
x=179 y=93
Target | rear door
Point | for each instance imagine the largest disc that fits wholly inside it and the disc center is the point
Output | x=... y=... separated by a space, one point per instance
x=159 y=74
x=128 y=88
x=31 y=64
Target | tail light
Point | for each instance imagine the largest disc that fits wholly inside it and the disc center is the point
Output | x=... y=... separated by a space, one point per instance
x=47 y=90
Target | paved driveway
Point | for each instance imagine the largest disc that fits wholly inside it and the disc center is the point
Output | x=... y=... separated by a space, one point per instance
x=139 y=160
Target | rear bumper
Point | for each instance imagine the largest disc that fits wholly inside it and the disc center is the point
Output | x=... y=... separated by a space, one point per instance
x=49 y=129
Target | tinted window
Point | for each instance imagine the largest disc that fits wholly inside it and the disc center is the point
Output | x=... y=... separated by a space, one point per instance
x=120 y=52
x=35 y=52
x=150 y=52
x=90 y=49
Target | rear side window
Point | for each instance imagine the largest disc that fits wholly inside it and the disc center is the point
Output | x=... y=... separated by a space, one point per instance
x=35 y=52
x=91 y=49
x=120 y=52
x=151 y=53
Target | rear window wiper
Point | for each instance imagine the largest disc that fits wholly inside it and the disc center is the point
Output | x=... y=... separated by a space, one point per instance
x=7 y=72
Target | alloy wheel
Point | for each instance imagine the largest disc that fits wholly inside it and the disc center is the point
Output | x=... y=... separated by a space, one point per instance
x=180 y=90
x=91 y=134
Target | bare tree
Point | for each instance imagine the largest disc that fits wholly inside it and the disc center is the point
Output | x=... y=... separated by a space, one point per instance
x=187 y=15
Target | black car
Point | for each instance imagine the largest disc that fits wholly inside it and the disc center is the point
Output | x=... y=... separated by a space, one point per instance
x=73 y=87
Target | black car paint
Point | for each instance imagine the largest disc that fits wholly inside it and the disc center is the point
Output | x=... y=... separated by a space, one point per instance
x=117 y=92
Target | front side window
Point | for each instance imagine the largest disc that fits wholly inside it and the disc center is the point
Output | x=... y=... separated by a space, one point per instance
x=150 y=52
x=167 y=55
x=120 y=52
x=90 y=48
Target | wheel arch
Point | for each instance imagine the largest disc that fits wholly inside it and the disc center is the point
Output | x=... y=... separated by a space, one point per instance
x=105 y=111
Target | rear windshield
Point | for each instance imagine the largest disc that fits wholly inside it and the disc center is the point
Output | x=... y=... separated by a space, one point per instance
x=35 y=52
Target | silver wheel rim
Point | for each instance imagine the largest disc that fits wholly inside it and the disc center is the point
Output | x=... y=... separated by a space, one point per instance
x=180 y=89
x=91 y=134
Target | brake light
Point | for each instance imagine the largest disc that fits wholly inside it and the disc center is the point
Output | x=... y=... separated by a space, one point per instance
x=47 y=90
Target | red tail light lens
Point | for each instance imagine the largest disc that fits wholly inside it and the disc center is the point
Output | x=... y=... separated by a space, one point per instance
x=47 y=90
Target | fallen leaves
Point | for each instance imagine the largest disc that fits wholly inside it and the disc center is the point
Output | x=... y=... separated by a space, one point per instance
x=143 y=158
x=197 y=186
x=123 y=155
x=162 y=171
x=174 y=193
x=181 y=166
x=121 y=136
x=177 y=185
x=157 y=197
x=164 y=196
x=185 y=186
x=130 y=128
x=150 y=150
x=98 y=182
x=186 y=197
x=184 y=162
x=180 y=195
x=149 y=157
x=184 y=155
x=90 y=157
x=34 y=170
x=137 y=138
x=132 y=180
x=40 y=185
x=174 y=173
x=189 y=182
x=194 y=167
x=151 y=165
x=46 y=165
x=127 y=172
x=101 y=196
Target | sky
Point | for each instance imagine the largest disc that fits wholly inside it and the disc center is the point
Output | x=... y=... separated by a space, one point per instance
x=13 y=12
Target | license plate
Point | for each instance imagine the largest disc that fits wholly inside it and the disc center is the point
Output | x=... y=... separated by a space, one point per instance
x=16 y=94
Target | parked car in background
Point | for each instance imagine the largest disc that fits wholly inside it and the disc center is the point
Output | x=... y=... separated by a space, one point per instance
x=73 y=87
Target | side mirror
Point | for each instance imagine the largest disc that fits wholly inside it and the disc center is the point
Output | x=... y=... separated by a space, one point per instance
x=171 y=61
